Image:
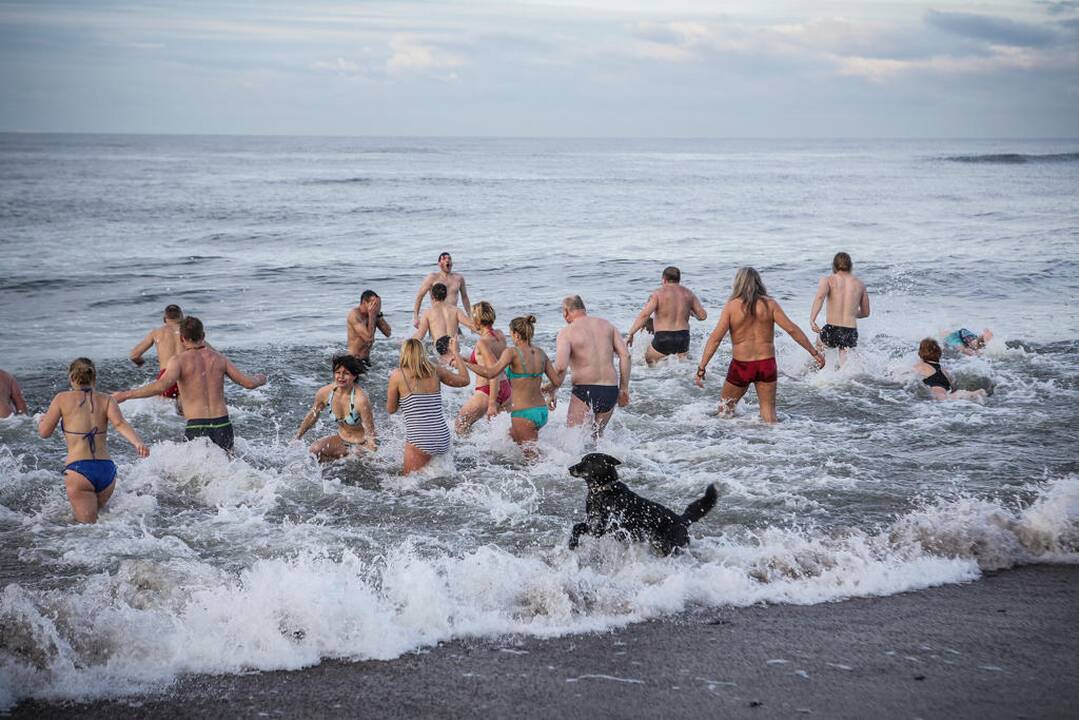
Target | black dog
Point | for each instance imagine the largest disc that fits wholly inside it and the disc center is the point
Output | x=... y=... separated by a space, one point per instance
x=611 y=506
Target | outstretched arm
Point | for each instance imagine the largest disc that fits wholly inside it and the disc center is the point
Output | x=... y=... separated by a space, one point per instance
x=117 y=419
x=144 y=345
x=642 y=318
x=490 y=371
x=713 y=342
x=172 y=374
x=818 y=301
x=252 y=382
x=423 y=328
x=311 y=417
x=465 y=319
x=863 y=304
x=795 y=332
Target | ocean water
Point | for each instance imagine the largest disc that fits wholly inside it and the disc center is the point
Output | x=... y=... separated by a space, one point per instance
x=205 y=564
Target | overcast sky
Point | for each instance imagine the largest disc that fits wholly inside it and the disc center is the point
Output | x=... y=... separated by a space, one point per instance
x=753 y=68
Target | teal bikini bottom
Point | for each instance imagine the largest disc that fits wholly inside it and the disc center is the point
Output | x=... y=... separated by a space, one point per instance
x=535 y=415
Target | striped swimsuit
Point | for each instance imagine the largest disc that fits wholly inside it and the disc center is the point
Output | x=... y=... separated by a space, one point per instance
x=425 y=425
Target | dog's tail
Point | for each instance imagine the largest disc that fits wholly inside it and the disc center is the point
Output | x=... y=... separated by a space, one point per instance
x=699 y=508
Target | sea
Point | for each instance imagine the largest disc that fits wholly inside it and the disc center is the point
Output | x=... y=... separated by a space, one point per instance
x=203 y=563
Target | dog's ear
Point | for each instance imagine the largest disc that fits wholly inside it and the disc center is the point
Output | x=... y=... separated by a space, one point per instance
x=612 y=461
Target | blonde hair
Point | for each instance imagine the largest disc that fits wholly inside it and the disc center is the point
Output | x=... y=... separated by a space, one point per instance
x=524 y=327
x=414 y=359
x=483 y=313
x=81 y=371
x=749 y=288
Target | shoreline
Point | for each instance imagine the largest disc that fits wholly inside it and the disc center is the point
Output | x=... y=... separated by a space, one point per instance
x=1001 y=646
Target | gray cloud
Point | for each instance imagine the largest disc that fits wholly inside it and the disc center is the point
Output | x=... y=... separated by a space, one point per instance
x=996 y=30
x=1060 y=8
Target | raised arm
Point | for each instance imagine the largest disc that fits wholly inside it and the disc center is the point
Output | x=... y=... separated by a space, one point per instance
x=490 y=371
x=117 y=419
x=382 y=325
x=49 y=420
x=696 y=309
x=863 y=304
x=795 y=332
x=364 y=327
x=144 y=345
x=309 y=420
x=712 y=344
x=252 y=382
x=458 y=377
x=425 y=287
x=818 y=302
x=642 y=318
x=172 y=374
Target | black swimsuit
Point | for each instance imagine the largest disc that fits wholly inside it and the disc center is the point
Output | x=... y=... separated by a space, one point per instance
x=937 y=379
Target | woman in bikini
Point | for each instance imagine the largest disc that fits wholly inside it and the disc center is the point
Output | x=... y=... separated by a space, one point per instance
x=351 y=409
x=415 y=388
x=940 y=382
x=89 y=473
x=492 y=394
x=525 y=365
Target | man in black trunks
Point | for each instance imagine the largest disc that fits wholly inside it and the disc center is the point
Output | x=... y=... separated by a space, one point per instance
x=586 y=347
x=669 y=307
x=199 y=371
x=848 y=301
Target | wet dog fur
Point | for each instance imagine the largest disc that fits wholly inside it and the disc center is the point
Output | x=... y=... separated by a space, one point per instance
x=613 y=507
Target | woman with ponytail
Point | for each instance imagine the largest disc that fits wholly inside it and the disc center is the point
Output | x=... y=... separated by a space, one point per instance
x=524 y=365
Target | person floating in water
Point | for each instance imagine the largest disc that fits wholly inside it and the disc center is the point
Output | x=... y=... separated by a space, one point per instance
x=361 y=324
x=351 y=409
x=166 y=338
x=669 y=307
x=967 y=342
x=750 y=316
x=11 y=399
x=940 y=382
x=200 y=373
x=848 y=301
x=89 y=472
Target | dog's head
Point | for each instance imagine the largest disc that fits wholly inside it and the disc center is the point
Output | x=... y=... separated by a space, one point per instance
x=596 y=468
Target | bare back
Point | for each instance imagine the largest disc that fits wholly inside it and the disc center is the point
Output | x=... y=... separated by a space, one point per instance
x=591 y=342
x=167 y=342
x=202 y=383
x=442 y=319
x=845 y=293
x=78 y=418
x=752 y=336
x=674 y=304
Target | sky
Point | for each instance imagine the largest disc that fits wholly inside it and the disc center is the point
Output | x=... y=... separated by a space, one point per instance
x=583 y=68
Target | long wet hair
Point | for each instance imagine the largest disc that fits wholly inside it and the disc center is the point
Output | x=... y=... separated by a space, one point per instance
x=749 y=288
x=82 y=372
x=414 y=359
x=525 y=327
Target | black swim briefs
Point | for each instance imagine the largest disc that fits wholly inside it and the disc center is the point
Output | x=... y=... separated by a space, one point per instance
x=601 y=398
x=219 y=430
x=671 y=342
x=837 y=336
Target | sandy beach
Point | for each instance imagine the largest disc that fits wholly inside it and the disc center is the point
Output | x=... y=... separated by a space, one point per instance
x=1001 y=647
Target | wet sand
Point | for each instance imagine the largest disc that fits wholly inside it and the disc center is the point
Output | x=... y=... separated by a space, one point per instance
x=1002 y=647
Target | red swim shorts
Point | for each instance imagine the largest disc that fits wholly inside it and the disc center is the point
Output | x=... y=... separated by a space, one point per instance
x=173 y=392
x=744 y=372
x=504 y=389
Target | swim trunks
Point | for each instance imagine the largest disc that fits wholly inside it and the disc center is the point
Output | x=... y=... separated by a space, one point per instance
x=100 y=473
x=173 y=392
x=743 y=372
x=601 y=398
x=535 y=415
x=671 y=342
x=837 y=336
x=219 y=430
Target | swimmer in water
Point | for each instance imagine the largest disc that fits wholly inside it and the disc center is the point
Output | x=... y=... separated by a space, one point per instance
x=350 y=408
x=940 y=382
x=967 y=342
x=89 y=472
